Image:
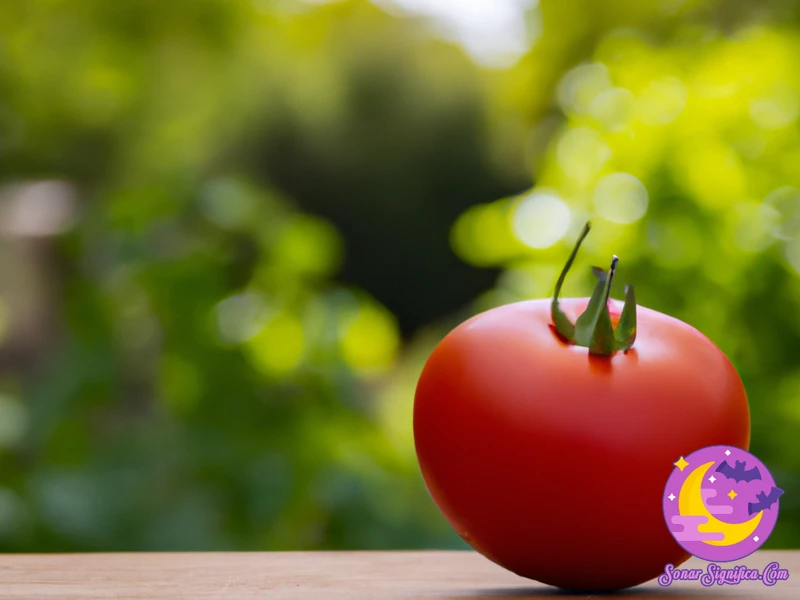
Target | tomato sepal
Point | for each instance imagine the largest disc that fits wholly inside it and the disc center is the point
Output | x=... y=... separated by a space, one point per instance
x=593 y=329
x=625 y=333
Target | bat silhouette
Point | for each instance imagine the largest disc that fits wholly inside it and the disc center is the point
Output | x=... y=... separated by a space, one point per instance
x=765 y=501
x=740 y=472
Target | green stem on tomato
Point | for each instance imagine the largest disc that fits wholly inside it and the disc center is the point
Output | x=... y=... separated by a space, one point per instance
x=593 y=328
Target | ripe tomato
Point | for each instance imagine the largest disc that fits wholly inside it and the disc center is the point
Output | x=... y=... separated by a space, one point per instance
x=551 y=461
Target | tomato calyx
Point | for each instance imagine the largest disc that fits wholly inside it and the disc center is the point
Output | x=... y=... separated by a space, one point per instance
x=593 y=329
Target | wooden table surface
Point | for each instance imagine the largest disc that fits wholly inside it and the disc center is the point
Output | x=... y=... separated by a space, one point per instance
x=429 y=575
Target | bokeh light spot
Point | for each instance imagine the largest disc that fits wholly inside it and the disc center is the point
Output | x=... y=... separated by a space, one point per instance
x=776 y=110
x=229 y=203
x=582 y=152
x=620 y=198
x=309 y=245
x=370 y=339
x=482 y=234
x=278 y=348
x=38 y=209
x=541 y=219
x=786 y=203
x=239 y=317
x=613 y=108
x=579 y=87
x=662 y=101
x=751 y=224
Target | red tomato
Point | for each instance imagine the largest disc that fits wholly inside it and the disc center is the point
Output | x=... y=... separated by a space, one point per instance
x=552 y=462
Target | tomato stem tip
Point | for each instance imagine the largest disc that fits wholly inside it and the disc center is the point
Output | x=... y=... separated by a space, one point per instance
x=593 y=329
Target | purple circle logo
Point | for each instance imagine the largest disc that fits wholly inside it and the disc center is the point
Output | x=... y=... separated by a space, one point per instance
x=720 y=503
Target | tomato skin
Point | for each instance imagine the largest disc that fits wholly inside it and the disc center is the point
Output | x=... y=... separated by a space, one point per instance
x=551 y=462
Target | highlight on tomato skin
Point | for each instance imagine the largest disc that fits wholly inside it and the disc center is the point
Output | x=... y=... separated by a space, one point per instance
x=551 y=459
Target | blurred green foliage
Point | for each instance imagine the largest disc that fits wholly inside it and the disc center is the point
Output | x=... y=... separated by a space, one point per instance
x=233 y=230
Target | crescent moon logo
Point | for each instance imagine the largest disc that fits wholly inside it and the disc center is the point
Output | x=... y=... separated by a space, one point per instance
x=720 y=503
x=692 y=505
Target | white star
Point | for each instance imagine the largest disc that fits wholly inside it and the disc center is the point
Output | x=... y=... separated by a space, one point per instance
x=712 y=479
x=671 y=497
x=755 y=539
x=727 y=452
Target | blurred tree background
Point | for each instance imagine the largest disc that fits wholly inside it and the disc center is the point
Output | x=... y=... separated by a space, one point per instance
x=231 y=231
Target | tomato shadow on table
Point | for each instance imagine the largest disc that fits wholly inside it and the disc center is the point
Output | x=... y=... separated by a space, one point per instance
x=634 y=594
